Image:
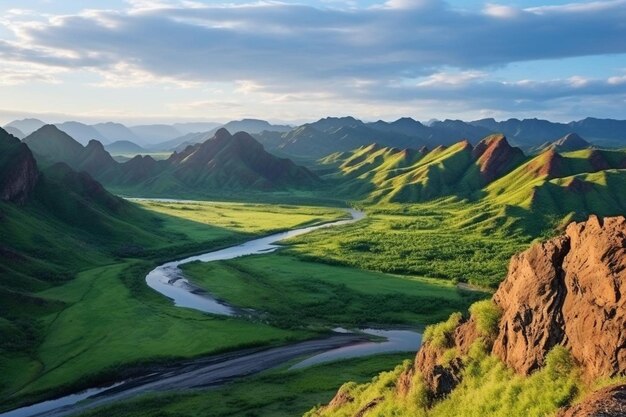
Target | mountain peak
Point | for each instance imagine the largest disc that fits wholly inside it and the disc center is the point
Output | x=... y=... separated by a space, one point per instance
x=222 y=134
x=495 y=157
x=18 y=173
x=570 y=142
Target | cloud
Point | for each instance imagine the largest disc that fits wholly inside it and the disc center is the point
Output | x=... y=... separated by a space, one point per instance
x=269 y=41
x=396 y=51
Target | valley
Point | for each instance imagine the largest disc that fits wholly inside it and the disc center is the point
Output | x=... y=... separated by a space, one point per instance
x=432 y=234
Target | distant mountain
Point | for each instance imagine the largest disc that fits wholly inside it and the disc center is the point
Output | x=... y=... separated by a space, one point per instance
x=124 y=147
x=492 y=172
x=254 y=126
x=535 y=132
x=451 y=131
x=26 y=126
x=328 y=135
x=604 y=132
x=180 y=143
x=51 y=145
x=569 y=142
x=81 y=132
x=15 y=132
x=223 y=162
x=151 y=134
x=195 y=127
x=114 y=132
x=404 y=126
x=236 y=161
x=408 y=175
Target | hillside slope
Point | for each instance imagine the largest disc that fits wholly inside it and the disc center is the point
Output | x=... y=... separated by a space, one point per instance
x=554 y=326
x=407 y=175
x=53 y=223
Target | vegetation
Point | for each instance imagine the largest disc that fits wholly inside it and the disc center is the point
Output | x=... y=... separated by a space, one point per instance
x=440 y=335
x=488 y=388
x=486 y=315
x=294 y=293
x=444 y=239
x=76 y=315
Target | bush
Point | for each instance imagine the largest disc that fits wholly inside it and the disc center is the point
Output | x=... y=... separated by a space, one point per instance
x=440 y=335
x=486 y=315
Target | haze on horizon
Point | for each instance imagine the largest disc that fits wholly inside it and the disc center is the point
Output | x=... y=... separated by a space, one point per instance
x=167 y=60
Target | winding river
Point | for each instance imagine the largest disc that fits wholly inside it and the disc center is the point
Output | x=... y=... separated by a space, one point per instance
x=168 y=280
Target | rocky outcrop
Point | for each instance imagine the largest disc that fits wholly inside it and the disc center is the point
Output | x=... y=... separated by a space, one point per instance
x=18 y=170
x=440 y=376
x=609 y=402
x=568 y=291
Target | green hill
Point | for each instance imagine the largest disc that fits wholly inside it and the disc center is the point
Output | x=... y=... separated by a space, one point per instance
x=53 y=223
x=406 y=175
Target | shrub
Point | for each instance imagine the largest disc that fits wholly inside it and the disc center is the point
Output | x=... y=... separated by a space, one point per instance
x=486 y=315
x=440 y=335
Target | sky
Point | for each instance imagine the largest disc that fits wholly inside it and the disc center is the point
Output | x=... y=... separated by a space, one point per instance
x=136 y=61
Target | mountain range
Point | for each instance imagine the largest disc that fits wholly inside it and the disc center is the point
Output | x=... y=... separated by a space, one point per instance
x=566 y=178
x=222 y=162
x=333 y=134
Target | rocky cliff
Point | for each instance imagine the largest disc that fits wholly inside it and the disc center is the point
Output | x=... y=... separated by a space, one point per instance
x=567 y=292
x=18 y=170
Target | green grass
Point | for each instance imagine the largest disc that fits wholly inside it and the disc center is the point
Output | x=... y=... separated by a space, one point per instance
x=105 y=328
x=94 y=318
x=449 y=240
x=275 y=393
x=488 y=388
x=296 y=293
x=240 y=217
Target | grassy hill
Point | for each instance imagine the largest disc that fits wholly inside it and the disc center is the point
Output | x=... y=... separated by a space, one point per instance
x=380 y=174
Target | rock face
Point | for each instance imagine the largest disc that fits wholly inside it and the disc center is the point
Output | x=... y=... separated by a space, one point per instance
x=439 y=378
x=609 y=402
x=18 y=170
x=568 y=291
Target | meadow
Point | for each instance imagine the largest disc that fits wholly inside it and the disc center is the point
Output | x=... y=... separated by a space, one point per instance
x=449 y=240
x=90 y=323
x=399 y=266
x=293 y=293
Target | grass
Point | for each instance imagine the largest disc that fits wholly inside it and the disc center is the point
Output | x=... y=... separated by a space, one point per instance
x=296 y=293
x=99 y=319
x=451 y=240
x=275 y=393
x=488 y=388
x=240 y=217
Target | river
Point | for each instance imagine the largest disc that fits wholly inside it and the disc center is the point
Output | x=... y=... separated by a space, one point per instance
x=168 y=280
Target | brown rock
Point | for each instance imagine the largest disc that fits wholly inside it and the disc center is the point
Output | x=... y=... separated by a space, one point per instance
x=609 y=402
x=440 y=378
x=567 y=291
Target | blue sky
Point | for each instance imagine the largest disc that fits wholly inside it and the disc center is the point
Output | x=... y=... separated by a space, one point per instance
x=167 y=60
